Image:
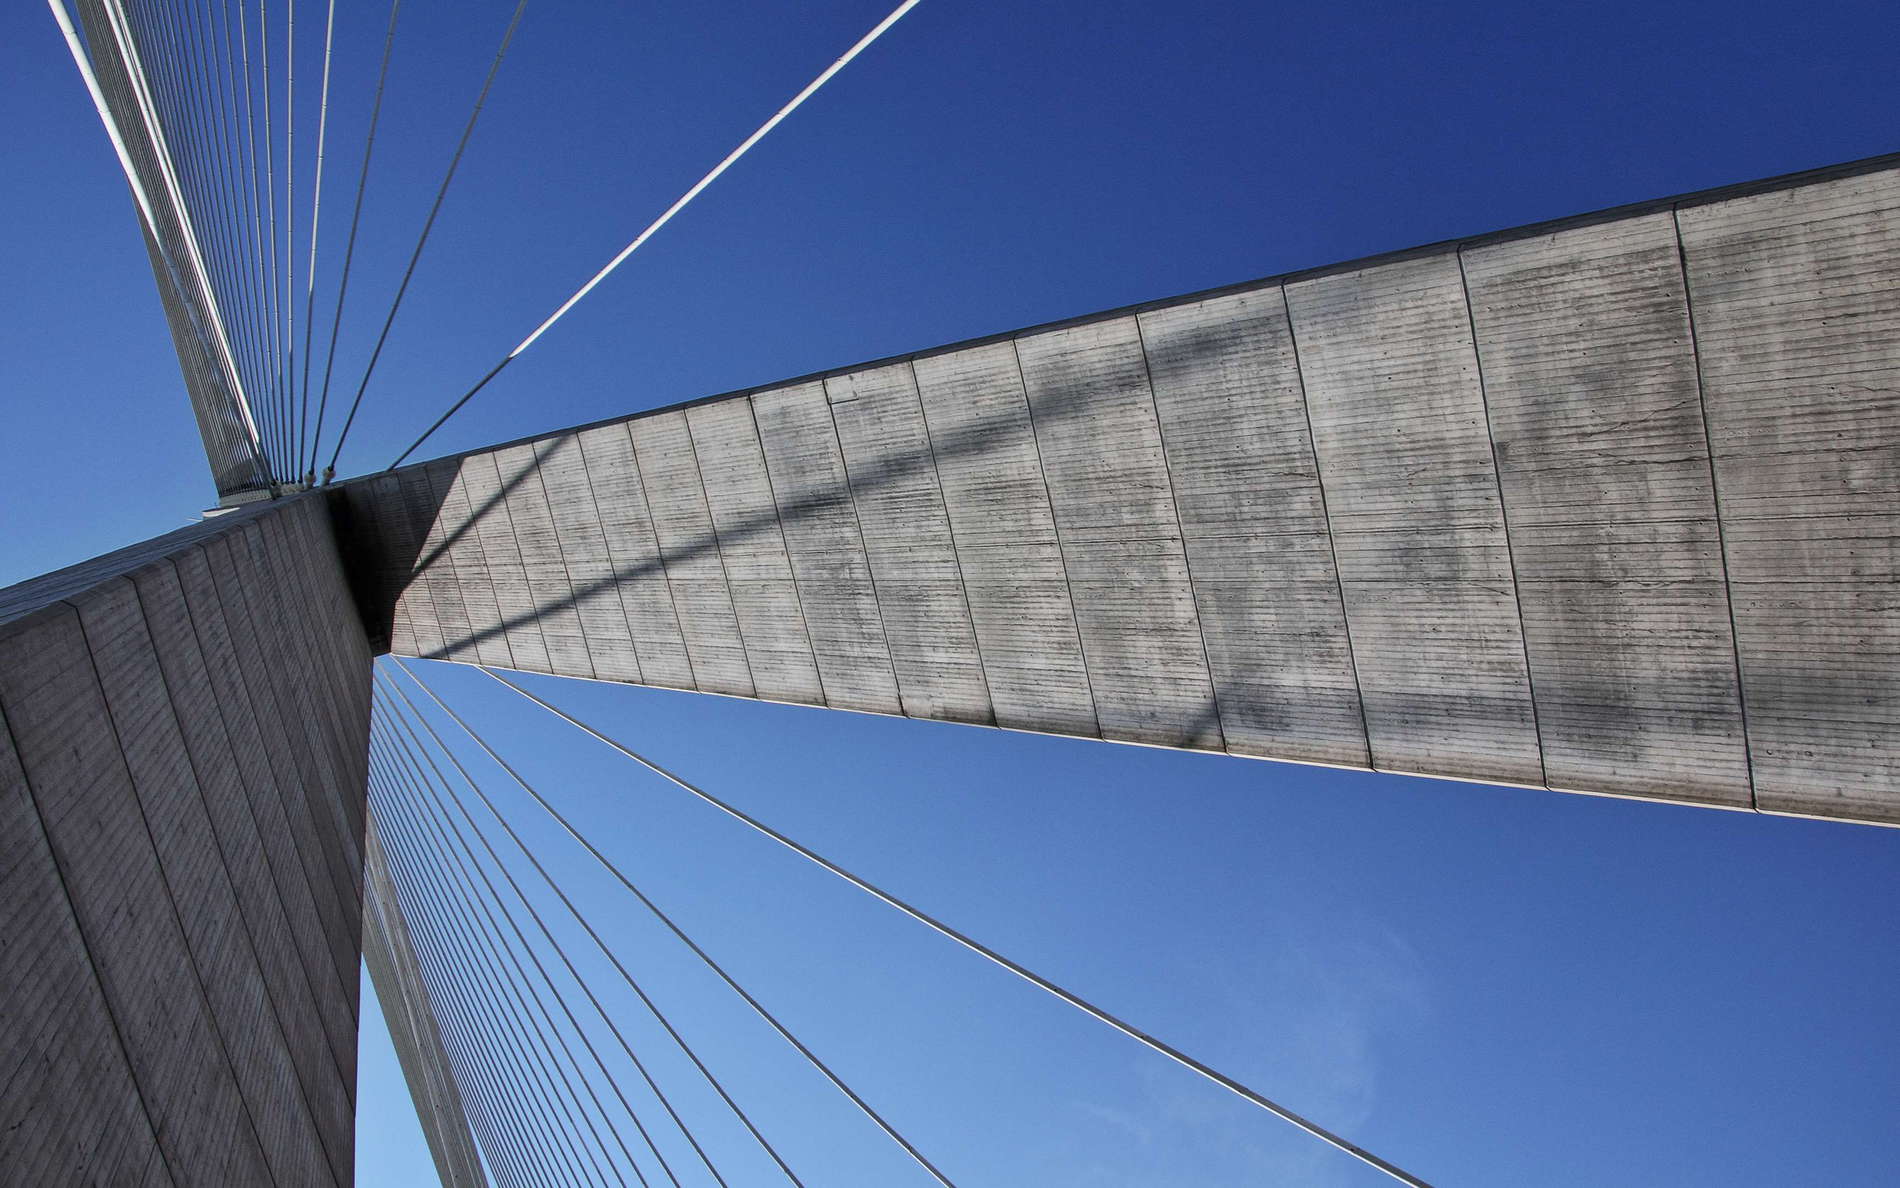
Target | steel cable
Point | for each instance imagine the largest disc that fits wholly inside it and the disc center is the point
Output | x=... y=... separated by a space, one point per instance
x=528 y=1062
x=660 y=1017
x=356 y=218
x=984 y=951
x=428 y=225
x=666 y=216
x=435 y=815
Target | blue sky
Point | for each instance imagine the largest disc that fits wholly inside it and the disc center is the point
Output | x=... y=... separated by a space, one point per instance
x=1488 y=986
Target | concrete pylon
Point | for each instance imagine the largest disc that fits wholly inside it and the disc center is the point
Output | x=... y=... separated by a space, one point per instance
x=1604 y=505
x=183 y=749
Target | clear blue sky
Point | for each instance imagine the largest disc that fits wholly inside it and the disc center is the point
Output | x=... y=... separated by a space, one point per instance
x=1489 y=986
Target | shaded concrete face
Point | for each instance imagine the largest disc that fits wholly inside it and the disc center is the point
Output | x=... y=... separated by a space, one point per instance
x=1608 y=506
x=183 y=754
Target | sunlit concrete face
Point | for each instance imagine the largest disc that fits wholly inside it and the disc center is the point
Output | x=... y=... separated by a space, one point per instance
x=1607 y=505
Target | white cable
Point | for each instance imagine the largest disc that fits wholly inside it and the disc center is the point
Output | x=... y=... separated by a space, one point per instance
x=731 y=158
x=135 y=69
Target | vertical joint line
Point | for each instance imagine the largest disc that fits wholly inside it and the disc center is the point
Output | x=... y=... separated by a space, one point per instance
x=1504 y=516
x=1325 y=514
x=171 y=896
x=712 y=526
x=659 y=558
x=791 y=567
x=870 y=571
x=1187 y=562
x=950 y=530
x=250 y=809
x=470 y=536
x=606 y=548
x=1715 y=502
x=85 y=943
x=1055 y=526
x=567 y=571
x=224 y=865
x=500 y=503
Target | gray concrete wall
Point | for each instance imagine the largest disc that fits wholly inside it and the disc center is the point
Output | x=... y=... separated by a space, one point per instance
x=1607 y=505
x=183 y=755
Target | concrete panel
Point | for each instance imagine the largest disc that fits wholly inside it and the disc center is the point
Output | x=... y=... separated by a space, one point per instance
x=488 y=495
x=1798 y=333
x=1590 y=376
x=998 y=503
x=690 y=554
x=287 y=743
x=1405 y=461
x=886 y=455
x=606 y=637
x=63 y=735
x=295 y=869
x=69 y=1110
x=434 y=568
x=1447 y=511
x=640 y=577
x=191 y=946
x=460 y=540
x=338 y=655
x=334 y=708
x=1240 y=459
x=327 y=1094
x=251 y=1048
x=412 y=596
x=825 y=543
x=751 y=546
x=276 y=620
x=550 y=585
x=1095 y=429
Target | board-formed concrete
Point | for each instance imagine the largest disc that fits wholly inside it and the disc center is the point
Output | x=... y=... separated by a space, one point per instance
x=1606 y=505
x=183 y=755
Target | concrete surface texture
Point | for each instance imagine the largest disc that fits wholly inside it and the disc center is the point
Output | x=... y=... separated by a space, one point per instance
x=183 y=748
x=1607 y=505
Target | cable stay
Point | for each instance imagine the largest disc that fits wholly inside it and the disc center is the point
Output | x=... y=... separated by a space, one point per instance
x=548 y=880
x=666 y=920
x=531 y=1060
x=236 y=436
x=356 y=219
x=428 y=225
x=436 y=816
x=490 y=939
x=977 y=947
x=316 y=213
x=486 y=1059
x=666 y=217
